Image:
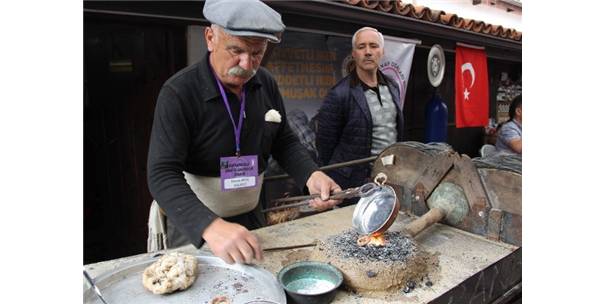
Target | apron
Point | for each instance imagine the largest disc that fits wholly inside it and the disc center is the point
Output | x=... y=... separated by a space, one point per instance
x=208 y=191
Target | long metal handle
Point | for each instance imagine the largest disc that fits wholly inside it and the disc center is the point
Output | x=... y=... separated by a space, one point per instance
x=296 y=198
x=326 y=168
x=302 y=200
x=286 y=206
x=289 y=247
x=94 y=286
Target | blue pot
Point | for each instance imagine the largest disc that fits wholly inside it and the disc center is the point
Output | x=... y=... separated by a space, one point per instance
x=310 y=282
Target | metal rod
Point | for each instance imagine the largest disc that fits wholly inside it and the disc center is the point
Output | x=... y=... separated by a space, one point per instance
x=285 y=206
x=470 y=46
x=329 y=33
x=325 y=168
x=405 y=40
x=124 y=13
x=304 y=199
x=320 y=32
x=489 y=55
x=289 y=247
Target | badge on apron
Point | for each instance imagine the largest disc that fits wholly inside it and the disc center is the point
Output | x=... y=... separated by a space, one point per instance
x=238 y=172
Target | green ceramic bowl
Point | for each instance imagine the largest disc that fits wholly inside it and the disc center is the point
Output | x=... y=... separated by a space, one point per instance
x=310 y=282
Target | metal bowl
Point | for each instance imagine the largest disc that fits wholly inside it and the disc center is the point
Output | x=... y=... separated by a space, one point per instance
x=376 y=212
x=310 y=282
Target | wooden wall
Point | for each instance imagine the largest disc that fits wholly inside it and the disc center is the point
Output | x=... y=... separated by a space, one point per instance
x=119 y=102
x=125 y=66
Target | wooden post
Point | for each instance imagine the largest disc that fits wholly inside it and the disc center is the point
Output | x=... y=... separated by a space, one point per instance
x=432 y=216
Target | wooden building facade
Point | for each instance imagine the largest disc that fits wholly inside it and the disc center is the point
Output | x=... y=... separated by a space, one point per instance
x=131 y=48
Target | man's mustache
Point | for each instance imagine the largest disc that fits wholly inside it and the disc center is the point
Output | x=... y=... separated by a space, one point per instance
x=240 y=72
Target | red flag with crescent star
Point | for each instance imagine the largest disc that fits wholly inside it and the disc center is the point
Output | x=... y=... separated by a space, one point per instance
x=471 y=88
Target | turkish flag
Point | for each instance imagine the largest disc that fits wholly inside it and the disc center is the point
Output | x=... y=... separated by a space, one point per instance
x=471 y=88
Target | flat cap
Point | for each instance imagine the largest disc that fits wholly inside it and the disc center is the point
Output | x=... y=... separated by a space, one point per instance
x=245 y=18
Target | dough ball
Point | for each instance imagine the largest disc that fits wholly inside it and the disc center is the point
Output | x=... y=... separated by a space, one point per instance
x=173 y=271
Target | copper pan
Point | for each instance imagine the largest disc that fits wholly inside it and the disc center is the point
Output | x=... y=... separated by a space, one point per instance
x=376 y=212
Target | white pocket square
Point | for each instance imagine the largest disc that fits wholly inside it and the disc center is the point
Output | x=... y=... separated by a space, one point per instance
x=273 y=116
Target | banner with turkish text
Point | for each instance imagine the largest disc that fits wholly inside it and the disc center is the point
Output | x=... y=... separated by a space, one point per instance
x=471 y=87
x=396 y=62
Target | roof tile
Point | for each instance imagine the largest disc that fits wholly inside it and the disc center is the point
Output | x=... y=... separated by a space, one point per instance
x=436 y=16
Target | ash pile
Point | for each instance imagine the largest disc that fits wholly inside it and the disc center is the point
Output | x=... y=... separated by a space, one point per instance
x=398 y=247
x=374 y=270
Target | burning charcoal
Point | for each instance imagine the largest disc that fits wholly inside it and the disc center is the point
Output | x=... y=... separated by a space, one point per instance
x=397 y=248
x=371 y=274
x=411 y=285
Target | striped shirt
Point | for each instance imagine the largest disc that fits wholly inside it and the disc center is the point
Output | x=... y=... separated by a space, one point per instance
x=383 y=112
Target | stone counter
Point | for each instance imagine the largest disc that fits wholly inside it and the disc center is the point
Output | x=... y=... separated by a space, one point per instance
x=460 y=254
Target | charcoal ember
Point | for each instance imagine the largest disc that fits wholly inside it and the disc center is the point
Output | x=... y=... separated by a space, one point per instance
x=388 y=268
x=397 y=248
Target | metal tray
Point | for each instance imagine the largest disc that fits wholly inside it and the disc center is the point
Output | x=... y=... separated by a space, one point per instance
x=239 y=283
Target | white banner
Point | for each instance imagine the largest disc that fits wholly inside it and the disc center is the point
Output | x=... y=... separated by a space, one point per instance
x=397 y=61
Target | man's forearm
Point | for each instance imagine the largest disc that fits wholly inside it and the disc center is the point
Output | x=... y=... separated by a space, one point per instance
x=516 y=145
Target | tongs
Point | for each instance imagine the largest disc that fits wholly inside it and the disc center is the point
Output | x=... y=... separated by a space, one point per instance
x=362 y=191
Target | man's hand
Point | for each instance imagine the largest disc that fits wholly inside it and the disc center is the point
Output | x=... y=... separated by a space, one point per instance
x=319 y=182
x=232 y=242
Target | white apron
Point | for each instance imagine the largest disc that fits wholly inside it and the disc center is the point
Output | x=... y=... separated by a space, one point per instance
x=208 y=191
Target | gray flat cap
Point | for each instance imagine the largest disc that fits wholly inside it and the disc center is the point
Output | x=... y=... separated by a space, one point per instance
x=245 y=18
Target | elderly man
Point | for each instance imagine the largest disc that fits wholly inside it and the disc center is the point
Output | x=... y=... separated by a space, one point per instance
x=216 y=124
x=361 y=114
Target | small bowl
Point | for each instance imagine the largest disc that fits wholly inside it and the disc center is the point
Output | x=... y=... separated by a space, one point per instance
x=310 y=282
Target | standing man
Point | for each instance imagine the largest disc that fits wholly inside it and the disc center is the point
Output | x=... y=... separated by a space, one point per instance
x=361 y=114
x=215 y=125
x=509 y=138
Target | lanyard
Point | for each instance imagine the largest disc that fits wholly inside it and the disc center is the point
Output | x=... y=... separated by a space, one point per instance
x=238 y=128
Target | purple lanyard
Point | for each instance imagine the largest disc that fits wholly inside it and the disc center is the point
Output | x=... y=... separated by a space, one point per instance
x=237 y=129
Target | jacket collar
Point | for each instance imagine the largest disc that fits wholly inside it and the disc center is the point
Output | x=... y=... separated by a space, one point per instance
x=355 y=80
x=358 y=93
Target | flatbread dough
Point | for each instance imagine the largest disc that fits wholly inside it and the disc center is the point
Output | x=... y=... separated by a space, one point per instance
x=173 y=271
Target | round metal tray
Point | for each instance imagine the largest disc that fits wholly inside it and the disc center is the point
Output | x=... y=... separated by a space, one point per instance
x=239 y=283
